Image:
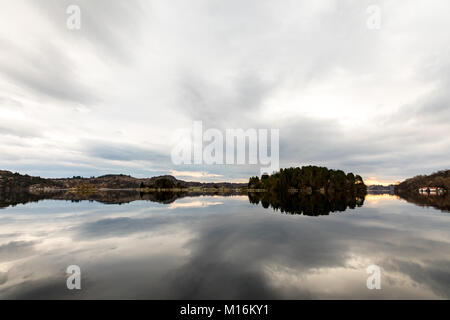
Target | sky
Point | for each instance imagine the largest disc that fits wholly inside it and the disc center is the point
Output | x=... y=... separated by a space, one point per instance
x=108 y=97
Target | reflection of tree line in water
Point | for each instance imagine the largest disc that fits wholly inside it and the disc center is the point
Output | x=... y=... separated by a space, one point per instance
x=8 y=199
x=296 y=203
x=441 y=202
x=306 y=190
x=314 y=204
x=309 y=190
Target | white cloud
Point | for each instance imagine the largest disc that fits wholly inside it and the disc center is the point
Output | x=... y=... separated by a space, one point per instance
x=369 y=101
x=194 y=174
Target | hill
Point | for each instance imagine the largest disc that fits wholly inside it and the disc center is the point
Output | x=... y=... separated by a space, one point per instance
x=377 y=188
x=440 y=179
x=15 y=182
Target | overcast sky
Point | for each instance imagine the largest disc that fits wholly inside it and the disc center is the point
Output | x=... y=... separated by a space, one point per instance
x=108 y=97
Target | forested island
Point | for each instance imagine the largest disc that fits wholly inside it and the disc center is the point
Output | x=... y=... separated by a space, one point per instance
x=309 y=179
x=309 y=190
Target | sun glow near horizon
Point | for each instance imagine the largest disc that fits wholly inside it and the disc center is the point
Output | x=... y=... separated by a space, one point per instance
x=376 y=181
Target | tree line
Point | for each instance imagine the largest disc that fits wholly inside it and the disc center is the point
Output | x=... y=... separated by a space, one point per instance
x=440 y=179
x=309 y=179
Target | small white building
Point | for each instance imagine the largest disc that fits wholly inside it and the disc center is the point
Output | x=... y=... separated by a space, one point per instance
x=431 y=190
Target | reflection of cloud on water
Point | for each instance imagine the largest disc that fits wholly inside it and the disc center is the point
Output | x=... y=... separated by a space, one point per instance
x=374 y=199
x=325 y=282
x=295 y=257
x=121 y=227
x=193 y=204
x=114 y=264
x=16 y=250
x=234 y=250
x=433 y=273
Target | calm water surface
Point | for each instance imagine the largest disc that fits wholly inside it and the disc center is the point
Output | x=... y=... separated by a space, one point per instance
x=215 y=247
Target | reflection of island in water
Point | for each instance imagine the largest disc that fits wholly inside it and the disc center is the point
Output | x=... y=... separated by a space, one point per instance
x=106 y=197
x=308 y=204
x=308 y=190
x=438 y=201
x=314 y=204
x=427 y=190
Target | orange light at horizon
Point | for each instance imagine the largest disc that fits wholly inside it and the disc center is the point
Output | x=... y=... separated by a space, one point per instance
x=375 y=181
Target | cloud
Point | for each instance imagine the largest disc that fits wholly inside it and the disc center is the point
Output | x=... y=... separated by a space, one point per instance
x=108 y=96
x=3 y=277
x=194 y=174
x=45 y=70
x=15 y=250
x=123 y=152
x=19 y=131
x=193 y=204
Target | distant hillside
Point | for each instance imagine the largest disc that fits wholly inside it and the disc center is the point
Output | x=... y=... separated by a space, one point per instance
x=381 y=189
x=409 y=190
x=10 y=182
x=440 y=179
x=15 y=182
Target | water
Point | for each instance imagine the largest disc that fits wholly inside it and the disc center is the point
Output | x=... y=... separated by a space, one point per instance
x=222 y=247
